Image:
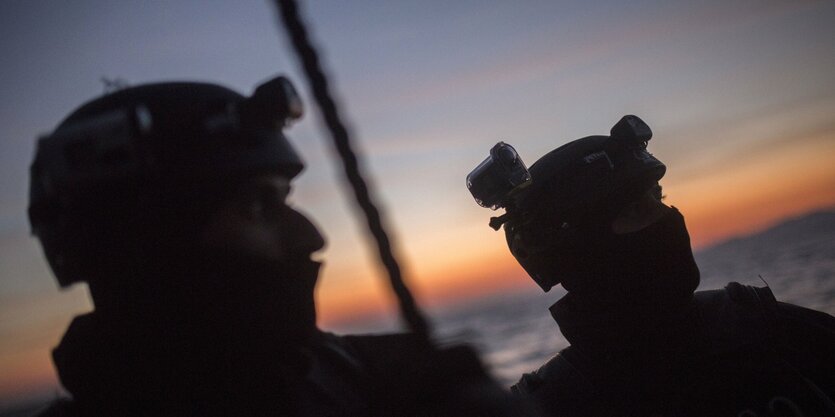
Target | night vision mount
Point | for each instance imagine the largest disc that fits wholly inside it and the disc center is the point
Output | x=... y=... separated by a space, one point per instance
x=632 y=130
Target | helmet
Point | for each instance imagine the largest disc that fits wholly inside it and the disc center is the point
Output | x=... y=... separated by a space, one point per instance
x=587 y=180
x=109 y=153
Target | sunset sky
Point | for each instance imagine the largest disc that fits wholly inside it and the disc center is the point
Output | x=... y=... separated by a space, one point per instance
x=740 y=96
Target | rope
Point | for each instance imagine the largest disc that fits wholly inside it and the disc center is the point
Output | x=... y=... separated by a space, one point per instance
x=318 y=83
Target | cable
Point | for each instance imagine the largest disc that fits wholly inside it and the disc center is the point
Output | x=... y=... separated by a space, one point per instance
x=412 y=315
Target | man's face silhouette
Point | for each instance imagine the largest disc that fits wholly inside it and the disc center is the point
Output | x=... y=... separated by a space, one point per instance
x=261 y=258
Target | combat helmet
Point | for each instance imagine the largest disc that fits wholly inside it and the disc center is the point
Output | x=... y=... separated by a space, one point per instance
x=113 y=153
x=587 y=180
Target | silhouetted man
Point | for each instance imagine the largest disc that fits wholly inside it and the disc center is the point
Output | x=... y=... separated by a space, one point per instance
x=588 y=215
x=170 y=201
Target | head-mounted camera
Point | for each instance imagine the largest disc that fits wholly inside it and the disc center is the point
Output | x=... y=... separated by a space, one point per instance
x=494 y=181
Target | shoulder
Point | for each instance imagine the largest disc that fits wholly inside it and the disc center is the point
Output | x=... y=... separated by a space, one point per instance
x=794 y=314
x=741 y=296
x=742 y=313
x=737 y=316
